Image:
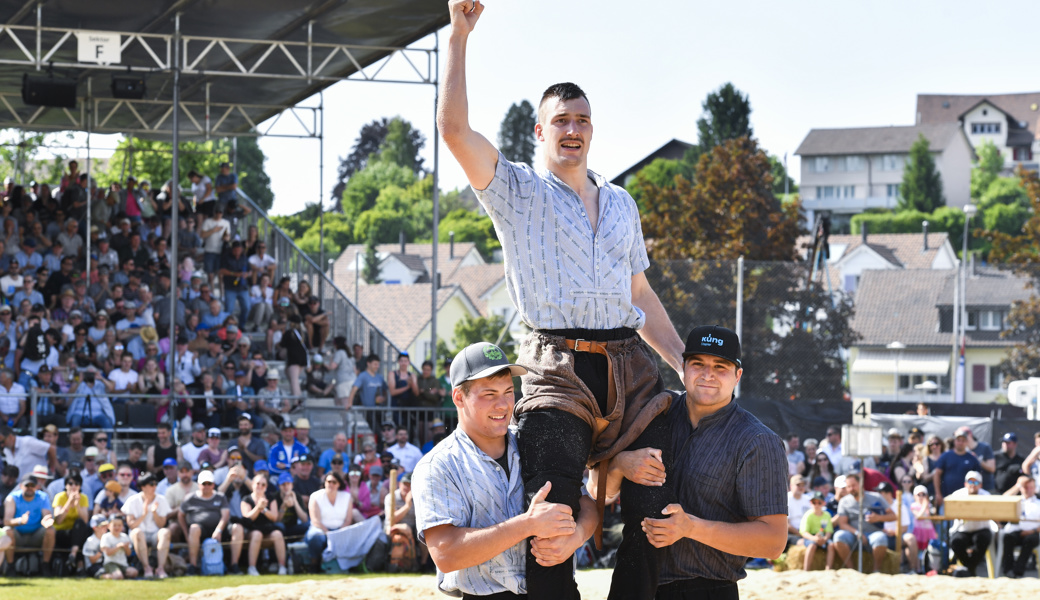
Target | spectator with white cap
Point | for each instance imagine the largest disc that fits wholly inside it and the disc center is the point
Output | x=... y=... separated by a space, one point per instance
x=1024 y=535
x=270 y=400
x=798 y=503
x=207 y=514
x=983 y=452
x=303 y=436
x=212 y=453
x=969 y=540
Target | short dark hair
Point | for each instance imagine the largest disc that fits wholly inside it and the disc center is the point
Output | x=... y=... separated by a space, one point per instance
x=372 y=357
x=74 y=477
x=136 y=446
x=165 y=426
x=336 y=476
x=427 y=363
x=563 y=91
x=146 y=478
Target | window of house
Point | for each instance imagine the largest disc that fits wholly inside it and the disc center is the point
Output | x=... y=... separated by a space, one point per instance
x=822 y=164
x=996 y=378
x=851 y=283
x=892 y=162
x=892 y=190
x=825 y=191
x=853 y=163
x=991 y=320
x=985 y=127
x=1023 y=153
x=909 y=382
x=973 y=320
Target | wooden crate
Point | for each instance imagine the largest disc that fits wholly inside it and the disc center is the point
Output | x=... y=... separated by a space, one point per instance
x=983 y=508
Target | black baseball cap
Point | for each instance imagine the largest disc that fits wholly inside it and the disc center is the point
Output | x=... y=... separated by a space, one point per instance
x=714 y=340
x=480 y=360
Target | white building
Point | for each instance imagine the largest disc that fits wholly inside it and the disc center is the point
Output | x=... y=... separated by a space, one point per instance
x=1010 y=121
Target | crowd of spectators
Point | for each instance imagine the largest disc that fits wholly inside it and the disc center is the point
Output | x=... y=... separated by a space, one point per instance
x=149 y=514
x=908 y=484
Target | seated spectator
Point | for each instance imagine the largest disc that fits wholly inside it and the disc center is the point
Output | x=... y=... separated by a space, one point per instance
x=404 y=452
x=261 y=296
x=193 y=448
x=317 y=386
x=304 y=481
x=292 y=514
x=969 y=540
x=169 y=476
x=282 y=453
x=366 y=494
x=13 y=401
x=91 y=407
x=233 y=482
x=817 y=530
x=212 y=453
x=907 y=528
x=71 y=517
x=146 y=514
x=93 y=558
x=28 y=521
x=206 y=514
x=108 y=501
x=339 y=446
x=1024 y=535
x=303 y=436
x=847 y=537
x=250 y=446
x=924 y=531
x=175 y=495
x=270 y=401
x=330 y=508
x=400 y=518
x=367 y=458
x=260 y=518
x=8 y=480
x=116 y=547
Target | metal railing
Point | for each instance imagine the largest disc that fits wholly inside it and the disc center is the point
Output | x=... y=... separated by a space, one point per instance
x=344 y=317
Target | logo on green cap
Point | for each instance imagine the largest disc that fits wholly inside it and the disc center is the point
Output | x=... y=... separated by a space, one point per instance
x=492 y=352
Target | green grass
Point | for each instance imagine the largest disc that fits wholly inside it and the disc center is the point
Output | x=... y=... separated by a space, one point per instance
x=37 y=588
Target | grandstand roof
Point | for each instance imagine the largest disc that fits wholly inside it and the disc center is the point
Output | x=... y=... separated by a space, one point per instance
x=243 y=60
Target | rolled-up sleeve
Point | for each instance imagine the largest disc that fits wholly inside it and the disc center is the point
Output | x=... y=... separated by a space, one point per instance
x=438 y=498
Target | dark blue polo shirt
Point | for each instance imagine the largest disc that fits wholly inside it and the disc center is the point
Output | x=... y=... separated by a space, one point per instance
x=731 y=468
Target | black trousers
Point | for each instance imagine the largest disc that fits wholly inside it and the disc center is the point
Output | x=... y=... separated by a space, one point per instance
x=1027 y=543
x=976 y=541
x=498 y=596
x=638 y=564
x=699 y=589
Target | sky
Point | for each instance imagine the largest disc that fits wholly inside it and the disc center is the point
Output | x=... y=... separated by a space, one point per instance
x=646 y=68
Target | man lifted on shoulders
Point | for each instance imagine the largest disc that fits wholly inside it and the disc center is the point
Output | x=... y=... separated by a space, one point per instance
x=574 y=265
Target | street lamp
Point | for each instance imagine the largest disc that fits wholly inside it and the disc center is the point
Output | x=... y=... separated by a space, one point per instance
x=898 y=346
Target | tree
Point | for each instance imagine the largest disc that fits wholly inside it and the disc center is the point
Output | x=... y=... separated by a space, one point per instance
x=402 y=145
x=780 y=175
x=252 y=178
x=660 y=173
x=367 y=143
x=1021 y=252
x=516 y=135
x=470 y=330
x=370 y=271
x=23 y=151
x=727 y=115
x=468 y=226
x=364 y=187
x=922 y=187
x=729 y=212
x=986 y=169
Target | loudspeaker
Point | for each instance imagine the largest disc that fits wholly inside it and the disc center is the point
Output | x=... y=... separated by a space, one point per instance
x=128 y=87
x=47 y=91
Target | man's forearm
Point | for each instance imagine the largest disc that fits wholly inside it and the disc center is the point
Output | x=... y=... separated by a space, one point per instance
x=758 y=538
x=466 y=547
x=658 y=330
x=453 y=109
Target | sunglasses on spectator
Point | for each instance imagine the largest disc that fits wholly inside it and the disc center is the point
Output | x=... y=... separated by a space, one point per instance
x=208 y=483
x=101 y=439
x=973 y=481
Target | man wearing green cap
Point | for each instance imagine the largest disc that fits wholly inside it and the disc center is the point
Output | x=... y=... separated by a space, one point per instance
x=469 y=495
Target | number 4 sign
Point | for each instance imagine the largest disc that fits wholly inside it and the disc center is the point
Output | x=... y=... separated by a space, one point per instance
x=861 y=411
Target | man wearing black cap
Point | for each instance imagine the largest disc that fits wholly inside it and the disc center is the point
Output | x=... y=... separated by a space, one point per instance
x=725 y=469
x=469 y=497
x=1008 y=463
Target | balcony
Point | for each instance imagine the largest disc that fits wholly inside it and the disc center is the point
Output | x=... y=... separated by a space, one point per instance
x=849 y=205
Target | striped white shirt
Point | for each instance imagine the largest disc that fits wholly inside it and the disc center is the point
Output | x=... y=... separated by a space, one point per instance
x=459 y=484
x=558 y=273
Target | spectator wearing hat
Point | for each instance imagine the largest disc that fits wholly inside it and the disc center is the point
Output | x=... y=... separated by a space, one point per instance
x=847 y=536
x=25 y=451
x=816 y=531
x=797 y=505
x=969 y=540
x=1024 y=535
x=388 y=435
x=233 y=481
x=28 y=520
x=282 y=453
x=953 y=467
x=146 y=514
x=168 y=477
x=292 y=510
x=915 y=436
x=93 y=558
x=271 y=403
x=207 y=514
x=303 y=436
x=479 y=461
x=212 y=453
x=191 y=450
x=339 y=446
x=116 y=491
x=1008 y=463
x=304 y=480
x=437 y=434
x=317 y=386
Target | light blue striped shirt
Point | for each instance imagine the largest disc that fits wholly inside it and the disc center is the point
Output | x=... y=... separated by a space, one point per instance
x=459 y=484
x=558 y=273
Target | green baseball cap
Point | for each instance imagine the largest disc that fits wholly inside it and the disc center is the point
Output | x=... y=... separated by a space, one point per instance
x=480 y=360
